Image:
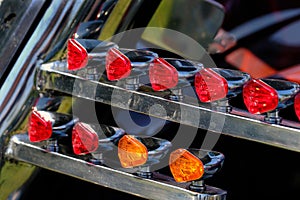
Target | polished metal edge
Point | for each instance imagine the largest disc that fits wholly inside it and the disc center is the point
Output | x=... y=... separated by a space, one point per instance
x=56 y=21
x=160 y=187
x=237 y=123
x=24 y=17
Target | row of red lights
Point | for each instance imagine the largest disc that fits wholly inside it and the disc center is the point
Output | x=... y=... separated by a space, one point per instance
x=162 y=74
x=210 y=86
x=131 y=152
x=118 y=66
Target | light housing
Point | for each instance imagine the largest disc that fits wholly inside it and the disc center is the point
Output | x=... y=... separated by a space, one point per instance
x=77 y=55
x=162 y=75
x=122 y=62
x=40 y=126
x=131 y=152
x=297 y=105
x=210 y=86
x=185 y=166
x=259 y=97
x=84 y=139
x=118 y=65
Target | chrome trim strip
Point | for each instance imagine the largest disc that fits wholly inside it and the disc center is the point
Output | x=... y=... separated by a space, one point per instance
x=19 y=84
x=238 y=123
x=24 y=13
x=54 y=26
x=160 y=187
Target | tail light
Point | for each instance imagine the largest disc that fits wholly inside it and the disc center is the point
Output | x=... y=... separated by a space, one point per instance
x=139 y=153
x=213 y=84
x=40 y=126
x=297 y=105
x=49 y=126
x=259 y=97
x=210 y=86
x=162 y=75
x=118 y=65
x=185 y=166
x=77 y=55
x=84 y=139
x=131 y=152
x=269 y=96
x=120 y=62
x=186 y=69
x=95 y=139
x=195 y=166
x=81 y=50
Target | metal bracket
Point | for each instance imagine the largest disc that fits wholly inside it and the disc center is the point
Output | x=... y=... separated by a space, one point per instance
x=158 y=187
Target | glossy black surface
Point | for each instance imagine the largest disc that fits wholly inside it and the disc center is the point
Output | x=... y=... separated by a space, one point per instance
x=235 y=80
x=90 y=29
x=286 y=90
x=96 y=46
x=157 y=148
x=212 y=161
x=140 y=59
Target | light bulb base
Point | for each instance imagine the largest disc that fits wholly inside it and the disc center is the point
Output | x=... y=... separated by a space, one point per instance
x=52 y=145
x=145 y=172
x=197 y=186
x=222 y=106
x=273 y=117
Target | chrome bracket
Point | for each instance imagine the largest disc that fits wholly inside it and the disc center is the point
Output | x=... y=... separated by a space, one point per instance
x=158 y=187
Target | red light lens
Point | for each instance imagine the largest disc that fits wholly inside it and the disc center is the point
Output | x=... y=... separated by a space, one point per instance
x=84 y=139
x=259 y=97
x=77 y=55
x=185 y=166
x=297 y=105
x=210 y=86
x=162 y=75
x=118 y=65
x=40 y=126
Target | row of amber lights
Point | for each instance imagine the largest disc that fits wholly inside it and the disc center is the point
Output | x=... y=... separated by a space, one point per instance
x=210 y=86
x=184 y=166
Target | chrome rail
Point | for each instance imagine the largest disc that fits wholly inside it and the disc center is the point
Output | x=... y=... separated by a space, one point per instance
x=34 y=27
x=159 y=187
x=237 y=123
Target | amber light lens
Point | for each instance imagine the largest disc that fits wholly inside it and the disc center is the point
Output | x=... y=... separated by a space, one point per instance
x=118 y=66
x=77 y=55
x=40 y=126
x=210 y=86
x=185 y=166
x=162 y=75
x=259 y=97
x=84 y=139
x=131 y=152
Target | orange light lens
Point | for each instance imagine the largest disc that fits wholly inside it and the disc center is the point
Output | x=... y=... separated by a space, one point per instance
x=185 y=166
x=131 y=152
